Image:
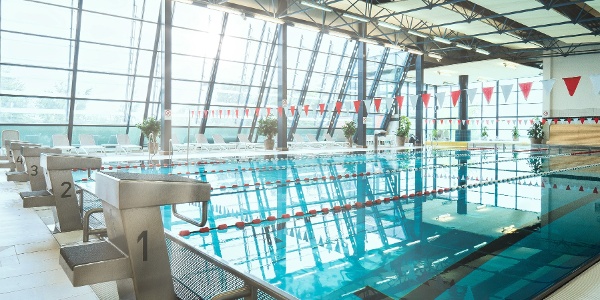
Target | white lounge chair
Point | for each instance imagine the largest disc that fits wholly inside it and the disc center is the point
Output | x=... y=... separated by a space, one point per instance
x=125 y=145
x=177 y=146
x=219 y=141
x=299 y=141
x=202 y=143
x=313 y=140
x=8 y=134
x=245 y=142
x=88 y=144
x=329 y=138
x=61 y=141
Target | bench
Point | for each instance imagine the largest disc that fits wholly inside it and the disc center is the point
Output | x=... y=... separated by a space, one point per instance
x=574 y=134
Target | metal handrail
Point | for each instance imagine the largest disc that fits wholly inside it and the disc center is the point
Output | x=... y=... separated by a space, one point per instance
x=250 y=280
x=190 y=220
x=86 y=224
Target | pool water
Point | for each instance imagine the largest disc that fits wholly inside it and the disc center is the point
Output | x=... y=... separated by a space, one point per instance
x=512 y=232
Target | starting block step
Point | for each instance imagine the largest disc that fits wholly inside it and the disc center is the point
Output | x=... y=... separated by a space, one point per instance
x=94 y=263
x=37 y=199
x=17 y=176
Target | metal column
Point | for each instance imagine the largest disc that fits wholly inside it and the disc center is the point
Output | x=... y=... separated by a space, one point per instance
x=75 y=67
x=463 y=133
x=361 y=130
x=282 y=89
x=419 y=90
x=165 y=123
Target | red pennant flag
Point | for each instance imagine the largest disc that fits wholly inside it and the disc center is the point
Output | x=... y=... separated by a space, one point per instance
x=205 y=113
x=293 y=109
x=247 y=112
x=279 y=110
x=525 y=88
x=508 y=121
x=257 y=112
x=400 y=99
x=321 y=107
x=306 y=109
x=543 y=121
x=468 y=121
x=192 y=112
x=213 y=113
x=237 y=113
x=555 y=120
x=520 y=121
x=442 y=121
x=377 y=102
x=455 y=95
x=228 y=113
x=568 y=188
x=569 y=120
x=582 y=120
x=596 y=120
x=581 y=188
x=268 y=111
x=357 y=105
x=425 y=98
x=477 y=121
x=487 y=92
x=572 y=83
x=220 y=113
x=338 y=106
x=198 y=113
x=450 y=121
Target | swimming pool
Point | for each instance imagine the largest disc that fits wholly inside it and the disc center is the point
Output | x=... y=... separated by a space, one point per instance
x=414 y=225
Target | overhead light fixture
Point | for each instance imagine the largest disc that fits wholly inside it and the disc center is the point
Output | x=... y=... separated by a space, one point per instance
x=355 y=17
x=414 y=51
x=269 y=19
x=413 y=243
x=317 y=6
x=413 y=32
x=224 y=9
x=463 y=46
x=442 y=40
x=481 y=51
x=392 y=46
x=306 y=27
x=339 y=34
x=434 y=55
x=389 y=25
x=368 y=41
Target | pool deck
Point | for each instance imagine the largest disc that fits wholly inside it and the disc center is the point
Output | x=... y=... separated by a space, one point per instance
x=29 y=251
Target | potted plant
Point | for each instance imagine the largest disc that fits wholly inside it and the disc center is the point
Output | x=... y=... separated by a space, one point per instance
x=268 y=127
x=402 y=132
x=150 y=128
x=535 y=132
x=484 y=134
x=349 y=130
x=515 y=133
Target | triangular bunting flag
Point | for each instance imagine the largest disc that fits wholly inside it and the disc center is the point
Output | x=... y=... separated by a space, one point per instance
x=455 y=95
x=357 y=105
x=279 y=111
x=425 y=97
x=595 y=78
x=582 y=120
x=487 y=93
x=368 y=104
x=471 y=94
x=292 y=109
x=525 y=88
x=247 y=112
x=228 y=113
x=257 y=112
x=547 y=85
x=192 y=112
x=237 y=113
x=377 y=102
x=338 y=106
x=506 y=89
x=388 y=103
x=306 y=109
x=268 y=111
x=572 y=83
x=440 y=98
x=321 y=107
x=413 y=100
x=399 y=100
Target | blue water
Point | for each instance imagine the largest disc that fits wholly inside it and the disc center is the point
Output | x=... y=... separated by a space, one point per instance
x=514 y=231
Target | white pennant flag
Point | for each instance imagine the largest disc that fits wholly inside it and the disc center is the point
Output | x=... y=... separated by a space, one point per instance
x=471 y=94
x=506 y=88
x=440 y=98
x=413 y=100
x=368 y=104
x=463 y=122
x=595 y=78
x=547 y=85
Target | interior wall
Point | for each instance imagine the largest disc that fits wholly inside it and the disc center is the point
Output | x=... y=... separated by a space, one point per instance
x=584 y=102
